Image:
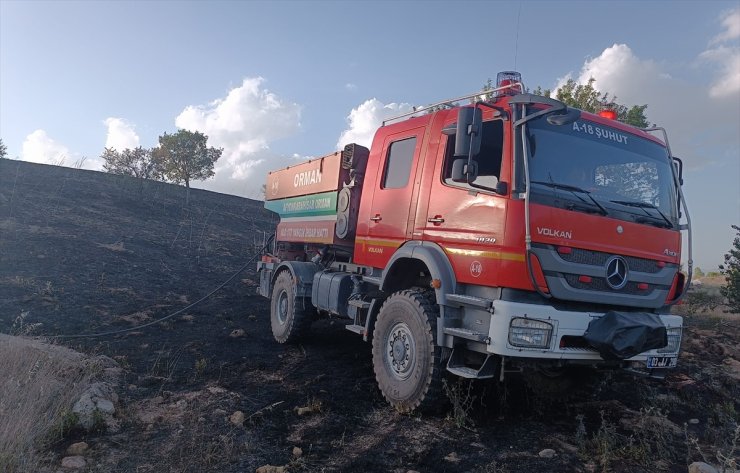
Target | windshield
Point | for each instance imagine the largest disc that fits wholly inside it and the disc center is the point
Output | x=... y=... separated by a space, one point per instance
x=594 y=168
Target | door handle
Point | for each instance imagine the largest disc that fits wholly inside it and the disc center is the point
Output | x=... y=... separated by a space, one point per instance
x=376 y=219
x=437 y=219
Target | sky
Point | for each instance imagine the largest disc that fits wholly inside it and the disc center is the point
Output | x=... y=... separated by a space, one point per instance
x=273 y=83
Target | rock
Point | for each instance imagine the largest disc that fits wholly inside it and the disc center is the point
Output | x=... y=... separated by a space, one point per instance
x=74 y=462
x=693 y=421
x=547 y=453
x=219 y=412
x=237 y=333
x=105 y=406
x=701 y=467
x=237 y=418
x=77 y=448
x=215 y=390
x=96 y=404
x=297 y=452
x=452 y=457
x=270 y=469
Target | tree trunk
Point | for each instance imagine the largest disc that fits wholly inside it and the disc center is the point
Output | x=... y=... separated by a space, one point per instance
x=187 y=192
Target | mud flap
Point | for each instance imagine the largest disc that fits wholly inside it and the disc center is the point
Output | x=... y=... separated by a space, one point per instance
x=622 y=335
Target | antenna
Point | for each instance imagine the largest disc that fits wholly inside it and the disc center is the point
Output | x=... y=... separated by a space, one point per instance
x=516 y=44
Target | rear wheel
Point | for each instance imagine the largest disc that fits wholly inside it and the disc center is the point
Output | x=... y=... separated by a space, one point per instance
x=290 y=316
x=406 y=359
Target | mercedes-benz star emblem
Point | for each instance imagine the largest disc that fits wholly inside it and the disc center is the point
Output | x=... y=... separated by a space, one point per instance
x=616 y=272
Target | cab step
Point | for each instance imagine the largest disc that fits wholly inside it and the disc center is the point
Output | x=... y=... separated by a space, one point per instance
x=456 y=365
x=359 y=303
x=358 y=329
x=467 y=334
x=471 y=301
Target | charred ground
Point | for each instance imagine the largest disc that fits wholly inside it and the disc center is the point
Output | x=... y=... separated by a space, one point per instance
x=84 y=252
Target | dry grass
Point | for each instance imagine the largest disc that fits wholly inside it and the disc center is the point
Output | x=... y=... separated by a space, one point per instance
x=38 y=385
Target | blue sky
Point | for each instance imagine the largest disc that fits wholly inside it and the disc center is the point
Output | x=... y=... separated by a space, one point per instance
x=272 y=82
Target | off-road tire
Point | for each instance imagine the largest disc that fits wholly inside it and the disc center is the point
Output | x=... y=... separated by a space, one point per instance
x=406 y=359
x=290 y=316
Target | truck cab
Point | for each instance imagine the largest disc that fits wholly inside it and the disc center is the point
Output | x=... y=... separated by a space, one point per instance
x=512 y=234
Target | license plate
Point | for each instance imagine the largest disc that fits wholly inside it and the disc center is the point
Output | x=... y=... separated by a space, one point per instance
x=661 y=361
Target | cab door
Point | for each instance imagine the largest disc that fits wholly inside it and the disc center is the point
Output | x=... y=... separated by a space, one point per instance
x=468 y=222
x=393 y=206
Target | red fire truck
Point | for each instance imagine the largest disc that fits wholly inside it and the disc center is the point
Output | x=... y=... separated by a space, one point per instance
x=507 y=234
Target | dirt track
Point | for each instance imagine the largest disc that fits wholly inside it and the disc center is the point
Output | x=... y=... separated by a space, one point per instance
x=83 y=252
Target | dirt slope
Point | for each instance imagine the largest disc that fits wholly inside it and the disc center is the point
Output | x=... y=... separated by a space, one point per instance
x=83 y=252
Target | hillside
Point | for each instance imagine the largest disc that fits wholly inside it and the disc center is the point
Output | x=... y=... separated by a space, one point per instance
x=84 y=252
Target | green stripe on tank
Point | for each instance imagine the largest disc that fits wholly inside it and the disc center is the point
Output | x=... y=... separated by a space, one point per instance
x=305 y=205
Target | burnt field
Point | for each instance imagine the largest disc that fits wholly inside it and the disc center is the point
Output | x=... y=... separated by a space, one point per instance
x=83 y=252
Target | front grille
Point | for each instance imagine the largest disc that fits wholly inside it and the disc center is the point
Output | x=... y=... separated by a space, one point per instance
x=598 y=258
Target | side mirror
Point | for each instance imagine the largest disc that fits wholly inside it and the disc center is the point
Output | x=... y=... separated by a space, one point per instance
x=469 y=123
x=463 y=172
x=678 y=164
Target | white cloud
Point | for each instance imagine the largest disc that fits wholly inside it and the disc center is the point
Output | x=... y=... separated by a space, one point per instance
x=243 y=123
x=121 y=134
x=618 y=68
x=38 y=147
x=731 y=23
x=350 y=86
x=727 y=61
x=725 y=57
x=365 y=119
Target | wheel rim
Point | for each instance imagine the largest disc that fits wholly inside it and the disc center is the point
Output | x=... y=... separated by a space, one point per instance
x=282 y=307
x=399 y=350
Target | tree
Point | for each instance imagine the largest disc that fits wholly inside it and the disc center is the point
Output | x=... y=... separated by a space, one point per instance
x=731 y=270
x=3 y=149
x=137 y=162
x=587 y=98
x=184 y=156
x=698 y=273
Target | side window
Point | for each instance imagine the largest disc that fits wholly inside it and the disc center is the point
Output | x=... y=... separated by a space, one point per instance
x=489 y=158
x=398 y=164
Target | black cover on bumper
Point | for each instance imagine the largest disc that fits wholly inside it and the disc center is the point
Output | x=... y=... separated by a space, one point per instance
x=622 y=335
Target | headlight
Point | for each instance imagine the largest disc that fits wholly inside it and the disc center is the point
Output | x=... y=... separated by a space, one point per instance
x=529 y=333
x=674 y=341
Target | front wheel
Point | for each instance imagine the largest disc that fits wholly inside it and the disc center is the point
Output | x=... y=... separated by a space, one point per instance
x=406 y=359
x=290 y=316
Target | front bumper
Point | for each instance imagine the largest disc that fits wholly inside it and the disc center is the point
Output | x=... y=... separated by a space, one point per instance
x=571 y=325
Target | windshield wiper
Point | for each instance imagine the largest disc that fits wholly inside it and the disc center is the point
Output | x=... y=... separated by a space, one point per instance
x=644 y=205
x=651 y=220
x=574 y=190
